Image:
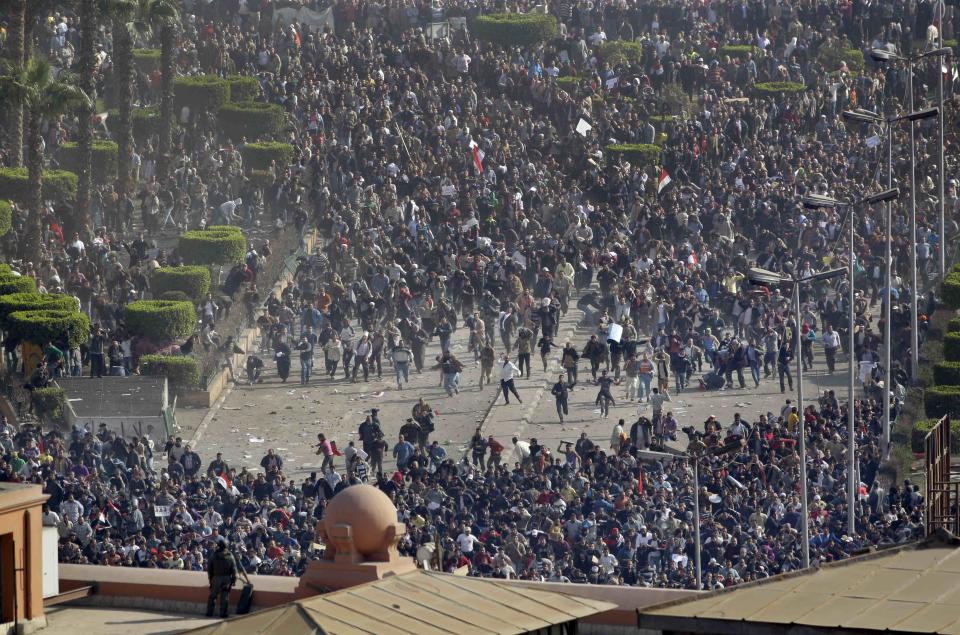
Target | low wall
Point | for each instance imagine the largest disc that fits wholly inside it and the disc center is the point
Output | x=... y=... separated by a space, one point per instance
x=166 y=590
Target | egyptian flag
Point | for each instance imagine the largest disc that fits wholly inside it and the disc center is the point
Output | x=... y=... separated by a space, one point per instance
x=692 y=260
x=664 y=181
x=478 y=155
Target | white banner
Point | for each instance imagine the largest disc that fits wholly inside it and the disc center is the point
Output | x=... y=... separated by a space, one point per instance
x=315 y=20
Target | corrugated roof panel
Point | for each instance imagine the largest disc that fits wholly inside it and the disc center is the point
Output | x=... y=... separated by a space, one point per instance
x=916 y=559
x=880 y=583
x=790 y=608
x=928 y=587
x=375 y=616
x=882 y=614
x=950 y=562
x=295 y=620
x=336 y=620
x=413 y=591
x=697 y=607
x=929 y=619
x=835 y=612
x=494 y=600
x=563 y=605
x=741 y=605
x=829 y=581
x=451 y=623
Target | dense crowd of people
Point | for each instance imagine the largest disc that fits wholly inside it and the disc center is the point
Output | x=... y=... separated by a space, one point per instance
x=460 y=184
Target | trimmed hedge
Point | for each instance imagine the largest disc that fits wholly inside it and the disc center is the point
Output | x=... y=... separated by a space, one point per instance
x=17 y=284
x=941 y=400
x=635 y=153
x=181 y=372
x=568 y=82
x=6 y=217
x=953 y=326
x=58 y=185
x=45 y=326
x=146 y=60
x=212 y=246
x=145 y=123
x=243 y=88
x=515 y=29
x=259 y=155
x=31 y=301
x=921 y=428
x=160 y=320
x=103 y=163
x=946 y=373
x=250 y=120
x=831 y=58
x=951 y=347
x=779 y=88
x=736 y=50
x=950 y=290
x=173 y=296
x=621 y=52
x=260 y=178
x=192 y=281
x=200 y=93
x=49 y=402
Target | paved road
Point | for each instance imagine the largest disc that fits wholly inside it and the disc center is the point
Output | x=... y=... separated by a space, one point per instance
x=287 y=417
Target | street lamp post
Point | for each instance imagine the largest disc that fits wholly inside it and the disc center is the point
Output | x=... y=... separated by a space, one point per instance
x=866 y=116
x=828 y=202
x=883 y=55
x=764 y=277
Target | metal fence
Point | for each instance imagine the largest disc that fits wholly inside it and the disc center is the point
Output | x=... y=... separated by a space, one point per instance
x=943 y=494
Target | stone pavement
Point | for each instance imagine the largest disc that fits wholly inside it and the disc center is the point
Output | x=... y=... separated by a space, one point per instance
x=287 y=417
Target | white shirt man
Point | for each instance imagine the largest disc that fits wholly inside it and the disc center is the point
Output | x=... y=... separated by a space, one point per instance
x=467 y=541
x=508 y=371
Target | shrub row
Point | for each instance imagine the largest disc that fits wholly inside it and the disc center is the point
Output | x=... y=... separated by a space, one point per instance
x=180 y=371
x=104 y=161
x=515 y=29
x=6 y=217
x=200 y=93
x=58 y=185
x=260 y=155
x=924 y=426
x=635 y=153
x=160 y=320
x=10 y=283
x=250 y=120
x=32 y=301
x=192 y=281
x=42 y=326
x=212 y=246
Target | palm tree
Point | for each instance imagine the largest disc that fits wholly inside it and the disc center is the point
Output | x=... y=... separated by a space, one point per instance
x=87 y=63
x=33 y=85
x=164 y=14
x=17 y=12
x=121 y=12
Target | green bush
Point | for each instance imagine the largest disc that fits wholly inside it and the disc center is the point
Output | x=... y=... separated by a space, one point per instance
x=953 y=326
x=259 y=155
x=192 y=281
x=146 y=60
x=200 y=93
x=260 y=178
x=58 y=185
x=181 y=372
x=951 y=347
x=173 y=296
x=243 y=88
x=946 y=373
x=48 y=402
x=950 y=290
x=941 y=400
x=515 y=29
x=923 y=427
x=831 y=58
x=250 y=120
x=212 y=246
x=6 y=217
x=160 y=320
x=45 y=326
x=568 y=82
x=32 y=301
x=779 y=88
x=145 y=123
x=104 y=161
x=635 y=153
x=736 y=50
x=17 y=284
x=621 y=52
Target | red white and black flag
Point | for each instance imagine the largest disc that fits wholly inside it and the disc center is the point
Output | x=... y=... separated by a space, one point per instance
x=478 y=155
x=664 y=181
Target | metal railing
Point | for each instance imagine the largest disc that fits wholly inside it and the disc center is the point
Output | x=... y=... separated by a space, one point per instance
x=942 y=493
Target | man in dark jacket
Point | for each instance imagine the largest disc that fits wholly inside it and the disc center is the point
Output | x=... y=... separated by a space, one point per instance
x=222 y=574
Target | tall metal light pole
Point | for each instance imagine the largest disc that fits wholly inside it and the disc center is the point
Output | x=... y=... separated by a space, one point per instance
x=943 y=174
x=696 y=520
x=826 y=201
x=764 y=277
x=866 y=116
x=882 y=55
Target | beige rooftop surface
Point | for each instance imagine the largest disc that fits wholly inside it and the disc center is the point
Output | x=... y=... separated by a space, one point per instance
x=911 y=589
x=419 y=602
